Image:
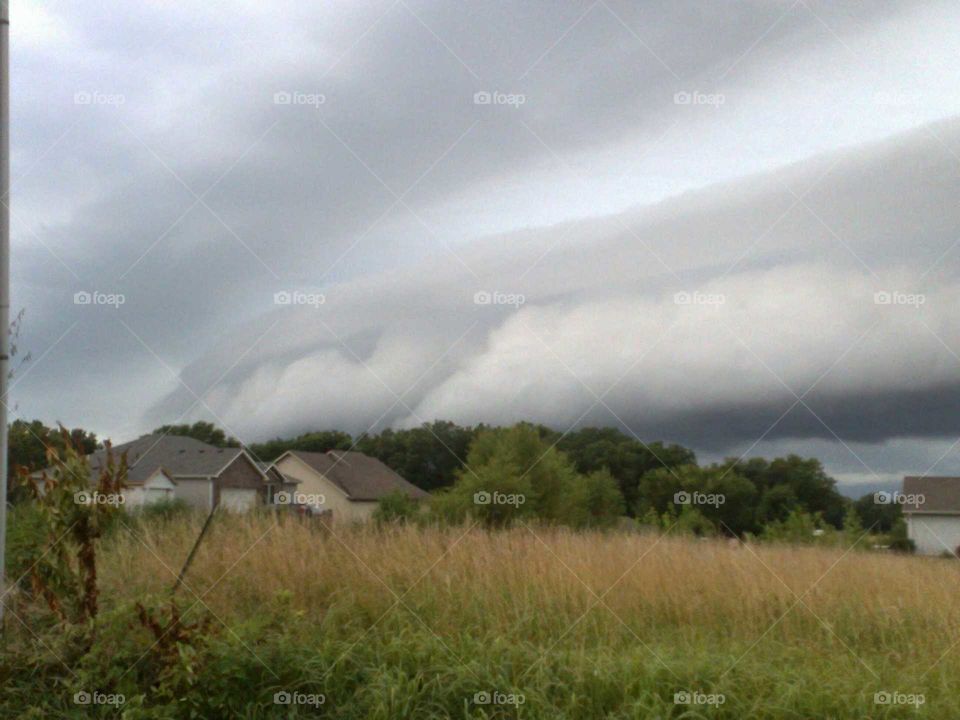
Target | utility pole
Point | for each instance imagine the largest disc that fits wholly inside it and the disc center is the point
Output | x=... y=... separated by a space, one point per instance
x=4 y=280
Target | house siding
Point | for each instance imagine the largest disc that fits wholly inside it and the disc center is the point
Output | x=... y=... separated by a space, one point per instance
x=934 y=534
x=196 y=492
x=155 y=489
x=314 y=483
x=241 y=474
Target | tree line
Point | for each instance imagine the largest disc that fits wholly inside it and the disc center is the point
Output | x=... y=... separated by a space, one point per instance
x=585 y=477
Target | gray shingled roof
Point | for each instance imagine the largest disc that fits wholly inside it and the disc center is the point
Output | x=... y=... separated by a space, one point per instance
x=360 y=476
x=932 y=494
x=178 y=456
x=273 y=474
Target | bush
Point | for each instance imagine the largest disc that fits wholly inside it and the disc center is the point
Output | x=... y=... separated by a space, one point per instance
x=899 y=542
x=396 y=507
x=26 y=531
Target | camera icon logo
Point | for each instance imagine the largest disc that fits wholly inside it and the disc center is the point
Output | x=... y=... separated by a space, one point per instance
x=681 y=498
x=82 y=698
x=481 y=698
x=82 y=498
x=282 y=698
x=282 y=98
x=482 y=498
x=282 y=298
x=882 y=498
x=282 y=498
x=82 y=298
x=482 y=98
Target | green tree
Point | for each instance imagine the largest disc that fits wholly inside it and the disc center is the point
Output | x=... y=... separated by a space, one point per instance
x=202 y=431
x=718 y=492
x=30 y=443
x=428 y=456
x=880 y=517
x=594 y=500
x=515 y=472
x=808 y=487
x=627 y=459
x=852 y=527
x=320 y=441
x=776 y=504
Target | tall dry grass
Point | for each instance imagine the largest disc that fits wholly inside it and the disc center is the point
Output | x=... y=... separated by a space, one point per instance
x=544 y=584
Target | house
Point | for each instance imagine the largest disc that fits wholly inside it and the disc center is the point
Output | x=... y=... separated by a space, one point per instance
x=161 y=467
x=931 y=506
x=348 y=483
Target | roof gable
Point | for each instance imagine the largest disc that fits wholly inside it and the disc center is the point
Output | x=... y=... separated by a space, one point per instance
x=359 y=476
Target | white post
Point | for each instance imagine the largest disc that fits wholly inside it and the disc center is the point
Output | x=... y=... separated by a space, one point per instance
x=4 y=276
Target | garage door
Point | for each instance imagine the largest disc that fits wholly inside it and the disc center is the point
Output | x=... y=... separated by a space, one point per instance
x=238 y=499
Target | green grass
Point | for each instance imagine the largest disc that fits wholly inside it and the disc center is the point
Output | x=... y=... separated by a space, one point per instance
x=416 y=622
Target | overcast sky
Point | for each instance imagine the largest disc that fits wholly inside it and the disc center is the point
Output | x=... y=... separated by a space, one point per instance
x=730 y=224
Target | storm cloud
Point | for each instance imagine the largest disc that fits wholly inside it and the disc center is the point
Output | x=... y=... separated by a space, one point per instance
x=730 y=224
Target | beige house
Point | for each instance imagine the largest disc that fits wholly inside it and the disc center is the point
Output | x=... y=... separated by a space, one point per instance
x=347 y=483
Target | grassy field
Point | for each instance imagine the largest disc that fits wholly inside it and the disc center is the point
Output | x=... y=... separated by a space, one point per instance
x=530 y=622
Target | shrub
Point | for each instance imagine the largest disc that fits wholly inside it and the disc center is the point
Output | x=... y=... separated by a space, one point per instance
x=899 y=542
x=396 y=507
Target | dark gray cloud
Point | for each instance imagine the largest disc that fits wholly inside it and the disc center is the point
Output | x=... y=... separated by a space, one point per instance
x=794 y=158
